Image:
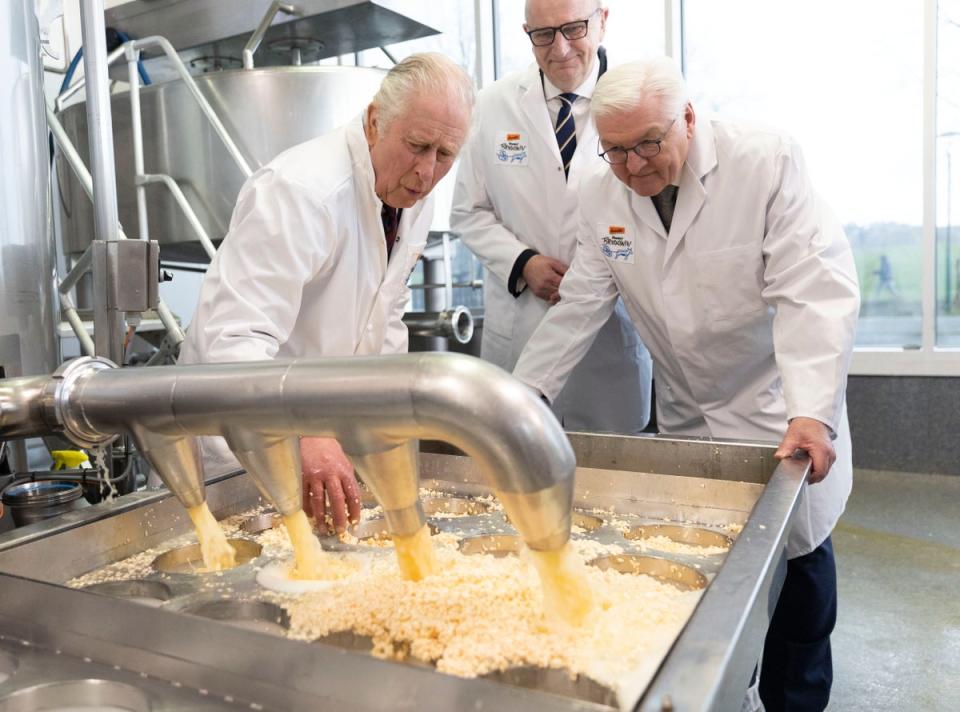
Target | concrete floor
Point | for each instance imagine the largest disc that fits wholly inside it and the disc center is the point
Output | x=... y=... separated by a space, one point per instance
x=897 y=641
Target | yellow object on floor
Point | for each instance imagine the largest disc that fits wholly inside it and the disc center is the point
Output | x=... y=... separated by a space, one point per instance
x=68 y=459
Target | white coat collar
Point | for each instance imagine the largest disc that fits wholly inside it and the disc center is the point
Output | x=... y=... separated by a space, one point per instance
x=534 y=107
x=360 y=155
x=701 y=159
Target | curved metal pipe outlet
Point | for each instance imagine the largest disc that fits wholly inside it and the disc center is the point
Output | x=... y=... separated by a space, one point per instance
x=456 y=324
x=375 y=406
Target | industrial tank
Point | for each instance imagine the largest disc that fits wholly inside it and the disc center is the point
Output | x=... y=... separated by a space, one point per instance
x=265 y=111
x=27 y=307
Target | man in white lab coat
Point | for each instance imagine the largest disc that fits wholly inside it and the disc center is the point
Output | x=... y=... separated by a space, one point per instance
x=743 y=286
x=322 y=241
x=515 y=207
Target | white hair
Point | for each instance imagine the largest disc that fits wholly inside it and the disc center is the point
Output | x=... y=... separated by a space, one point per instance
x=598 y=4
x=630 y=85
x=427 y=72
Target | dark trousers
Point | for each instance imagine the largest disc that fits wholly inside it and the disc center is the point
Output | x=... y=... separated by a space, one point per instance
x=797 y=670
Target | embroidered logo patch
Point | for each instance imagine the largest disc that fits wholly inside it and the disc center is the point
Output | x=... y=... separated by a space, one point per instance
x=616 y=244
x=510 y=149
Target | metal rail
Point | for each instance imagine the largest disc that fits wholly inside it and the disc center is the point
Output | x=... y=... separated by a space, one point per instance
x=174 y=332
x=257 y=37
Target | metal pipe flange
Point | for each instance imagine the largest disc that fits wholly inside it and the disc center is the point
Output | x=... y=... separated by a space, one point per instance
x=63 y=407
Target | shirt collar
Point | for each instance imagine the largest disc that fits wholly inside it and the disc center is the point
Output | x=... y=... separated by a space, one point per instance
x=585 y=90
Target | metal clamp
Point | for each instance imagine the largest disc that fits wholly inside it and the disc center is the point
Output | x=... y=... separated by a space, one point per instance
x=62 y=386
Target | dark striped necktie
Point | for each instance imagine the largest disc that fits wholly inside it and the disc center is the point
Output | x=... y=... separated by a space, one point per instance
x=566 y=130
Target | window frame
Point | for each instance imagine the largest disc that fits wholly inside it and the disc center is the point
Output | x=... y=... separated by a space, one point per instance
x=929 y=359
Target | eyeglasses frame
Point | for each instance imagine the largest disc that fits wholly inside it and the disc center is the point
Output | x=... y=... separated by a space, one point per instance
x=646 y=142
x=555 y=30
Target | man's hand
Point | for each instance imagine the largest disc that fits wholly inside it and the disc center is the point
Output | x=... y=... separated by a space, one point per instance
x=328 y=475
x=812 y=436
x=543 y=275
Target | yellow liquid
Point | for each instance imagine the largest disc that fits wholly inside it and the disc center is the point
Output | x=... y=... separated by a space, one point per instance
x=566 y=591
x=415 y=555
x=310 y=560
x=217 y=552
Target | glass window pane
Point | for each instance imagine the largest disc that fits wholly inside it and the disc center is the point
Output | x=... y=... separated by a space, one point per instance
x=948 y=174
x=634 y=29
x=845 y=79
x=456 y=21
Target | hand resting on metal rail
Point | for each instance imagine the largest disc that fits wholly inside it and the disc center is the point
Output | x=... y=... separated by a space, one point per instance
x=813 y=437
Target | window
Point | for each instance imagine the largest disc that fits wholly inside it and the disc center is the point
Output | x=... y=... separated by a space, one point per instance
x=948 y=174
x=845 y=79
x=456 y=20
x=634 y=29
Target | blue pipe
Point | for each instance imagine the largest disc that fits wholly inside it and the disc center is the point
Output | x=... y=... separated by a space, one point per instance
x=71 y=69
x=75 y=62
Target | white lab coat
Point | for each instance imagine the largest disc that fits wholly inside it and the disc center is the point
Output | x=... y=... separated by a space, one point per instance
x=749 y=305
x=500 y=209
x=303 y=270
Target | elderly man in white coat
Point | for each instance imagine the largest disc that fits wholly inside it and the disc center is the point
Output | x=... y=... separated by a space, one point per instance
x=322 y=241
x=515 y=207
x=743 y=286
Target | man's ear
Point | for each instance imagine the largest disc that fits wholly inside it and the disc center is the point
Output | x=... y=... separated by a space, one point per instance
x=371 y=124
x=691 y=119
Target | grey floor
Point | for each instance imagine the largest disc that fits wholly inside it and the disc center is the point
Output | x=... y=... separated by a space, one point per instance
x=897 y=641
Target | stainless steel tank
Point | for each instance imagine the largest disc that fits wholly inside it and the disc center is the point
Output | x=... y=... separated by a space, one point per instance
x=265 y=111
x=27 y=307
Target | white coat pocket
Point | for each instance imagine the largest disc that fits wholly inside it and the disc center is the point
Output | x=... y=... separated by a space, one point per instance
x=728 y=284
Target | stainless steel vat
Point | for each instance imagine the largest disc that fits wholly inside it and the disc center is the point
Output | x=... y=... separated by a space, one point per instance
x=266 y=111
x=708 y=667
x=212 y=34
x=27 y=306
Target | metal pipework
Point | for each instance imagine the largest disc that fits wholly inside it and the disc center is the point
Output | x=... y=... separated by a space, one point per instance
x=108 y=321
x=456 y=324
x=208 y=111
x=375 y=406
x=257 y=37
x=69 y=151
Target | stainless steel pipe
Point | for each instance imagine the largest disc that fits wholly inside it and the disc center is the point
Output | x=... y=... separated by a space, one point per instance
x=375 y=406
x=456 y=324
x=109 y=326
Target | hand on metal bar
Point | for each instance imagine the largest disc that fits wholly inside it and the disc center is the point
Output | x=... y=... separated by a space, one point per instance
x=814 y=438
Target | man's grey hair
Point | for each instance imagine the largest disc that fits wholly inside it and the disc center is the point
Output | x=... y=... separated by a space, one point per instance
x=597 y=4
x=628 y=86
x=426 y=72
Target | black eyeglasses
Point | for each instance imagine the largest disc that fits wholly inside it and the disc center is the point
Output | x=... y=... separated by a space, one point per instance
x=645 y=149
x=576 y=30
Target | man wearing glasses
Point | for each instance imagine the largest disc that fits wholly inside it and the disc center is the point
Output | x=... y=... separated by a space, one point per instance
x=515 y=206
x=741 y=282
